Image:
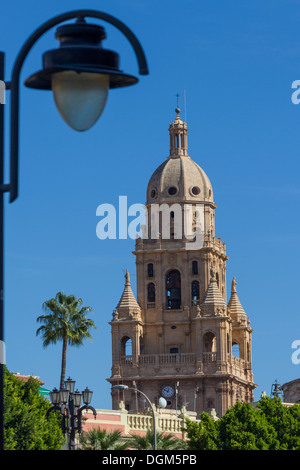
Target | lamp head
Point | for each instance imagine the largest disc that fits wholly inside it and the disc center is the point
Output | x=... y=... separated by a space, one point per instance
x=120 y=387
x=80 y=73
x=64 y=395
x=77 y=397
x=87 y=396
x=70 y=385
x=54 y=396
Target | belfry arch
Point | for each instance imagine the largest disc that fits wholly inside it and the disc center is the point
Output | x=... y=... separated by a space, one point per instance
x=173 y=289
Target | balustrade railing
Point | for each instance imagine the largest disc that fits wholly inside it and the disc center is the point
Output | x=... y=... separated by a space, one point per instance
x=170 y=421
x=209 y=359
x=139 y=422
x=188 y=358
x=126 y=360
x=152 y=359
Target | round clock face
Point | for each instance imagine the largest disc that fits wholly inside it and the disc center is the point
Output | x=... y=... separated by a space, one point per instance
x=167 y=391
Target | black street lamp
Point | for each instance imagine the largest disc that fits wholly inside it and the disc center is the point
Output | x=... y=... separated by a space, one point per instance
x=79 y=73
x=68 y=403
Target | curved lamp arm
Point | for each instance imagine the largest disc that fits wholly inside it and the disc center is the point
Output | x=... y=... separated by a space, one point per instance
x=153 y=413
x=79 y=415
x=53 y=408
x=63 y=416
x=12 y=187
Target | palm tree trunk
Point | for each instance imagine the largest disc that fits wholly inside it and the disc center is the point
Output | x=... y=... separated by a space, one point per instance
x=63 y=363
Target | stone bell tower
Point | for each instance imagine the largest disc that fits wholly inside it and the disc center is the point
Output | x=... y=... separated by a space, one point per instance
x=180 y=339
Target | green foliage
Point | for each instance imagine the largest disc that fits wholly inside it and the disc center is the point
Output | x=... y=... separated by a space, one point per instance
x=244 y=428
x=64 y=320
x=98 y=439
x=285 y=421
x=164 y=441
x=268 y=426
x=203 y=435
x=25 y=424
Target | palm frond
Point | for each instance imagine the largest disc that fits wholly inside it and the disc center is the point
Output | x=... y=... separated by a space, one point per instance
x=64 y=320
x=100 y=439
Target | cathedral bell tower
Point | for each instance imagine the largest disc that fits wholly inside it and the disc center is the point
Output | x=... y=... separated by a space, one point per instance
x=180 y=339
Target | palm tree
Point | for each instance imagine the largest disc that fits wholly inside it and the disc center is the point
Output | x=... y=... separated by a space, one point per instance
x=65 y=320
x=98 y=439
x=164 y=441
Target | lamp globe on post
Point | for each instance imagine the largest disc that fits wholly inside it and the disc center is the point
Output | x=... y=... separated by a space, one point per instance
x=77 y=397
x=87 y=396
x=54 y=396
x=64 y=395
x=80 y=73
x=70 y=385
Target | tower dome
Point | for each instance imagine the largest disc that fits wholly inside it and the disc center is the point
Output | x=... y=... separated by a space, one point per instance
x=179 y=178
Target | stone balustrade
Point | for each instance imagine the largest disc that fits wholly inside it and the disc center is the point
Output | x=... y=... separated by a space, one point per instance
x=167 y=421
x=234 y=364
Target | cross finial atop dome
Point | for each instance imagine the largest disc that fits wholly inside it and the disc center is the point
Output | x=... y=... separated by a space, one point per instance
x=178 y=135
x=177 y=109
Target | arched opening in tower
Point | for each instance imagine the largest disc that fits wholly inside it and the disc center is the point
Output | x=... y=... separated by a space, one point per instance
x=173 y=290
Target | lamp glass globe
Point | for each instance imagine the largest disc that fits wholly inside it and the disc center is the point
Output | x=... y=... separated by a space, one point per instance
x=80 y=97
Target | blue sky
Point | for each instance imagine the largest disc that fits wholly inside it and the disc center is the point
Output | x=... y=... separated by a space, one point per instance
x=236 y=61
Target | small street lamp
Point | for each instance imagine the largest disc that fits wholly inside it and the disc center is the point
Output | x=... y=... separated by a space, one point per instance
x=161 y=402
x=68 y=403
x=80 y=72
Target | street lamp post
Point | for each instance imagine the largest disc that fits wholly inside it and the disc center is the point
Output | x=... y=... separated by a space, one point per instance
x=125 y=387
x=79 y=73
x=68 y=403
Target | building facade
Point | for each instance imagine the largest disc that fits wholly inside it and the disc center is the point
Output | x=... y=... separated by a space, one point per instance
x=291 y=391
x=180 y=338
